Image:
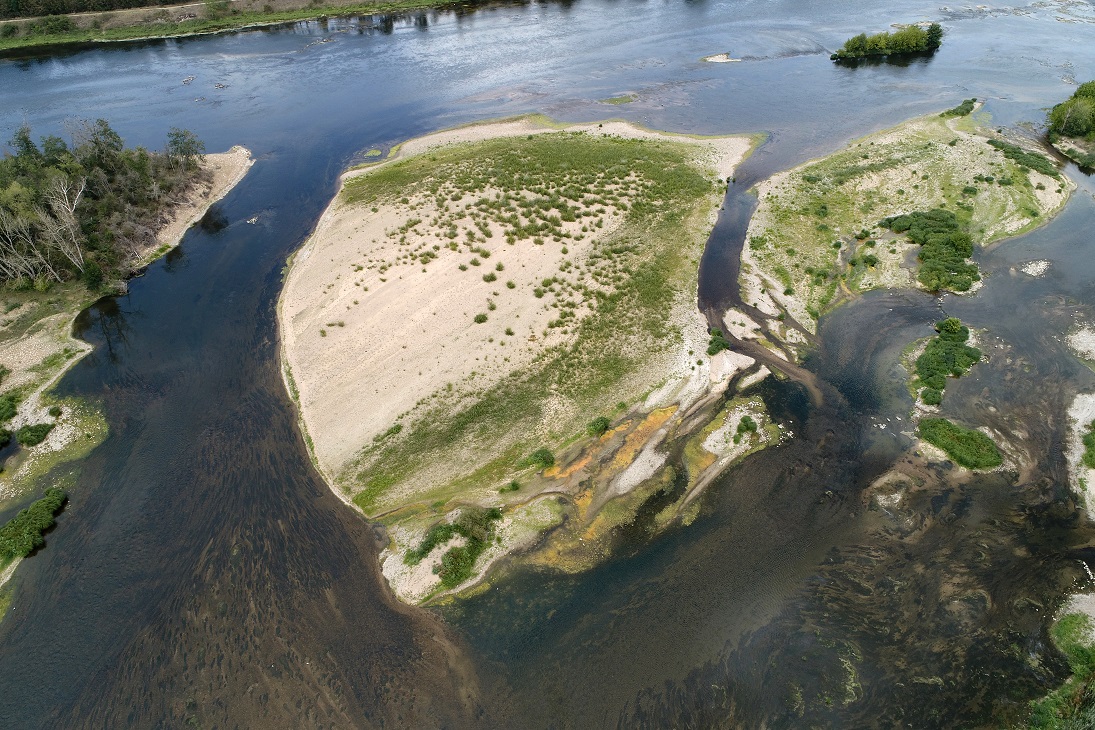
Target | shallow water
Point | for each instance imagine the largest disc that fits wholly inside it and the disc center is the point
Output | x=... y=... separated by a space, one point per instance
x=204 y=571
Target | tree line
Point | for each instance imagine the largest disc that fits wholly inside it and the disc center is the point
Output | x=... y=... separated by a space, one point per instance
x=912 y=39
x=1075 y=117
x=87 y=210
x=31 y=8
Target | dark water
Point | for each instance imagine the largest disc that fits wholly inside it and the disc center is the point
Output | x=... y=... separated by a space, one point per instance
x=203 y=572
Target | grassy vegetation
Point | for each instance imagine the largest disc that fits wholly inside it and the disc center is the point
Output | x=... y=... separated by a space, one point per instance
x=1023 y=158
x=57 y=32
x=1089 y=446
x=946 y=355
x=945 y=248
x=23 y=533
x=1072 y=706
x=972 y=449
x=616 y=304
x=816 y=231
x=962 y=110
x=476 y=526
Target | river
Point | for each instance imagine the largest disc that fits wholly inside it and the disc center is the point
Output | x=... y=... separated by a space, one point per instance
x=203 y=573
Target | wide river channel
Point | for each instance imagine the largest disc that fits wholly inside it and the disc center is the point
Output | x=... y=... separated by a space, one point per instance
x=204 y=574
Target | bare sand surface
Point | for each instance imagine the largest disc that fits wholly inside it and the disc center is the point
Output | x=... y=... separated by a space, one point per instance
x=365 y=340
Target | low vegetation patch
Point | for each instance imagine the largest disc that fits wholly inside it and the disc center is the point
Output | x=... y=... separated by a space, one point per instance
x=615 y=303
x=962 y=110
x=34 y=434
x=23 y=533
x=1089 y=446
x=970 y=448
x=476 y=526
x=1024 y=158
x=946 y=355
x=1072 y=705
x=912 y=39
x=945 y=248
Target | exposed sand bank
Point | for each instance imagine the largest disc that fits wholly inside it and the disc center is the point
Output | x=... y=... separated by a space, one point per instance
x=38 y=354
x=365 y=346
x=378 y=325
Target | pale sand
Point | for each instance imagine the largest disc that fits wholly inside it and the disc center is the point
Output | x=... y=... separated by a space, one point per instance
x=9 y=571
x=50 y=336
x=228 y=169
x=411 y=331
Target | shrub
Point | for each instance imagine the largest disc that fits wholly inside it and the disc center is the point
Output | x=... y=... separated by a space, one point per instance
x=480 y=318
x=511 y=487
x=970 y=448
x=7 y=407
x=944 y=248
x=32 y=435
x=1020 y=156
x=946 y=354
x=489 y=277
x=542 y=458
x=718 y=343
x=55 y=411
x=598 y=426
x=747 y=425
x=23 y=533
x=961 y=110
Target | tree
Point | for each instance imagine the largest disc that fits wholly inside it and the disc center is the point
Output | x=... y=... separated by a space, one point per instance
x=935 y=36
x=1074 y=117
x=184 y=147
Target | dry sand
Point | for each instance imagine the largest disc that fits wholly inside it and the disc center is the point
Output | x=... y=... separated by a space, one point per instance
x=365 y=342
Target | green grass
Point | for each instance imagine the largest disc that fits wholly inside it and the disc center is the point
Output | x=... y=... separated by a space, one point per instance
x=1089 y=446
x=629 y=282
x=618 y=100
x=227 y=23
x=972 y=449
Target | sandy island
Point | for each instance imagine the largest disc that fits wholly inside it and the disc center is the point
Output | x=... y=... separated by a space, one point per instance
x=365 y=346
x=416 y=297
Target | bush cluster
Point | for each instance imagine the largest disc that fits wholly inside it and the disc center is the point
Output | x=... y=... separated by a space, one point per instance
x=961 y=110
x=476 y=525
x=944 y=248
x=718 y=343
x=23 y=534
x=970 y=448
x=912 y=39
x=947 y=354
x=1020 y=156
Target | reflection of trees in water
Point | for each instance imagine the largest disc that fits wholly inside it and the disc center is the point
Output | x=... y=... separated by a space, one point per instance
x=174 y=259
x=903 y=60
x=214 y=220
x=105 y=325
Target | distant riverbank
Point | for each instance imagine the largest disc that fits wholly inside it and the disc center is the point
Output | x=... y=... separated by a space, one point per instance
x=20 y=35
